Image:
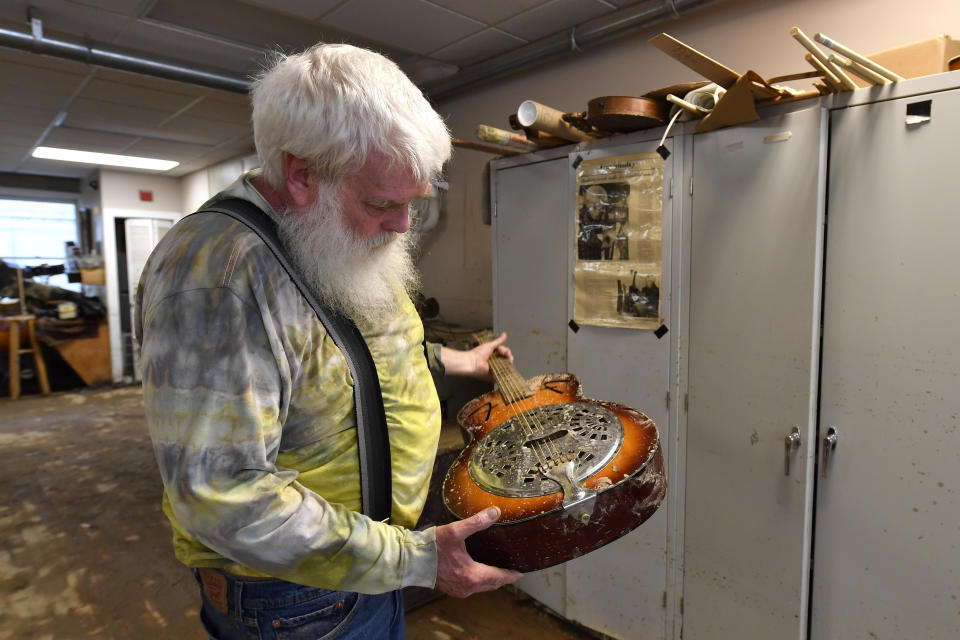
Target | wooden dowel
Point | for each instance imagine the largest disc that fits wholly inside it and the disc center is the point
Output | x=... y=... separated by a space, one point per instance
x=829 y=79
x=815 y=51
x=858 y=70
x=489 y=148
x=856 y=57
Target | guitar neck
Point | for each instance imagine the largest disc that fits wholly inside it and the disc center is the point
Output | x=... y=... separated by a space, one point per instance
x=513 y=386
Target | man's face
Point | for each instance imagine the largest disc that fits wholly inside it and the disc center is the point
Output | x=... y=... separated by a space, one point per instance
x=376 y=200
x=350 y=244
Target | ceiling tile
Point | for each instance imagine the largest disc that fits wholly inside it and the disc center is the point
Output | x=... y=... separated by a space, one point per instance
x=166 y=150
x=309 y=9
x=219 y=109
x=425 y=27
x=41 y=114
x=151 y=82
x=204 y=130
x=135 y=95
x=479 y=46
x=19 y=143
x=60 y=65
x=553 y=17
x=10 y=158
x=85 y=113
x=490 y=11
x=188 y=50
x=12 y=133
x=257 y=26
x=67 y=138
x=22 y=84
x=123 y=7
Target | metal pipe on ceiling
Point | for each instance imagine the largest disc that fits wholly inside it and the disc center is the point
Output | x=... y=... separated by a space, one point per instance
x=581 y=37
x=105 y=55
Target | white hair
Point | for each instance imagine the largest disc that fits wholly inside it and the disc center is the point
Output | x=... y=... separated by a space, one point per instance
x=334 y=105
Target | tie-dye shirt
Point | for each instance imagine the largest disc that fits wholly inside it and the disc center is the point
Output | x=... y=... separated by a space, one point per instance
x=251 y=412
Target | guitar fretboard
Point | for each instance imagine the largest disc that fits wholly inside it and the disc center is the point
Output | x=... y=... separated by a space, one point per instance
x=513 y=386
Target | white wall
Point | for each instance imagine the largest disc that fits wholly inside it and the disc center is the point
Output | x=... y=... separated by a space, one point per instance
x=120 y=198
x=199 y=186
x=742 y=34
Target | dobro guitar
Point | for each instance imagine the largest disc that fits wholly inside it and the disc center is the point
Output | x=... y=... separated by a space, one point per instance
x=569 y=474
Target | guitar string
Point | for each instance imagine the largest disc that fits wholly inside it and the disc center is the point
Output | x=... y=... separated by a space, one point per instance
x=508 y=388
x=501 y=365
x=498 y=362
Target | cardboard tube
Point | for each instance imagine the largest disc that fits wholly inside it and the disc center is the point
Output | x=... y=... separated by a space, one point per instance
x=689 y=106
x=856 y=57
x=815 y=51
x=539 y=116
x=858 y=70
x=492 y=134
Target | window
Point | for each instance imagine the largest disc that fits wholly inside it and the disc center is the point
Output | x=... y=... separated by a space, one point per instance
x=34 y=232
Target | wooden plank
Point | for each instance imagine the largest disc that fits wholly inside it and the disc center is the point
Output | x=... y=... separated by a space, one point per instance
x=699 y=62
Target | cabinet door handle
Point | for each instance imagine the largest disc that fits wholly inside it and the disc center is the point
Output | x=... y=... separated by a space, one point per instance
x=829 y=444
x=790 y=443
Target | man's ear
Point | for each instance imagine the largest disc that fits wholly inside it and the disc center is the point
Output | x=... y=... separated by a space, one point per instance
x=300 y=180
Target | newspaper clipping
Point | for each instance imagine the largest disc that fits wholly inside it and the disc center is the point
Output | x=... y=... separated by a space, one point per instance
x=619 y=236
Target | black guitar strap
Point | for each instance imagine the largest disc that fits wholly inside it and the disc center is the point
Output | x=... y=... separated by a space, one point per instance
x=372 y=437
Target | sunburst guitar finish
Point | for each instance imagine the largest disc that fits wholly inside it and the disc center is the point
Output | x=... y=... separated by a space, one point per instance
x=568 y=473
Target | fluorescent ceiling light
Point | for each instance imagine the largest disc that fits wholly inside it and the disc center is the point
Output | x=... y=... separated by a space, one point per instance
x=110 y=159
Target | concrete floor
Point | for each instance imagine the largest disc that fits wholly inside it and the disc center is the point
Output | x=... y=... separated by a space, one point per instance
x=85 y=550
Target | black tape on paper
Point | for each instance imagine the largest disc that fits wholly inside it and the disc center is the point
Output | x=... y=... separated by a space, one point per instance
x=577 y=161
x=573 y=326
x=661 y=331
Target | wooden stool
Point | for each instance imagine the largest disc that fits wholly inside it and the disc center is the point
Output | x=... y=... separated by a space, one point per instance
x=13 y=326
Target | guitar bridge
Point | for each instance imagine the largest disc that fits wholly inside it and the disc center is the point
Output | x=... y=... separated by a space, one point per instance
x=578 y=500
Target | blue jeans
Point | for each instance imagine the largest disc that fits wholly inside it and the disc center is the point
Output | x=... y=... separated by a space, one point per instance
x=235 y=608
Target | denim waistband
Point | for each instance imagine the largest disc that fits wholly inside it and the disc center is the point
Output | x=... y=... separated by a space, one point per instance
x=244 y=596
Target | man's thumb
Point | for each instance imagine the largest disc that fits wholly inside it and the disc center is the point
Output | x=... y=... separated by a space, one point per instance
x=482 y=519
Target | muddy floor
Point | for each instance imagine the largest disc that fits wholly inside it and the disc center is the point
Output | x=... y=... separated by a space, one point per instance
x=85 y=550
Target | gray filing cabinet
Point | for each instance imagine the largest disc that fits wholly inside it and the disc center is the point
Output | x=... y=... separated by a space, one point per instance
x=887 y=545
x=813 y=291
x=626 y=585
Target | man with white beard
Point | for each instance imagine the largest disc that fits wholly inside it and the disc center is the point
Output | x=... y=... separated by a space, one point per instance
x=249 y=401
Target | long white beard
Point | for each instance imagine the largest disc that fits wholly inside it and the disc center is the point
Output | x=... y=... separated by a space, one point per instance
x=363 y=278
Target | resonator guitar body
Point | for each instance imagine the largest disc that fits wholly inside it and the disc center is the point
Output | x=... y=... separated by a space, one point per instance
x=568 y=473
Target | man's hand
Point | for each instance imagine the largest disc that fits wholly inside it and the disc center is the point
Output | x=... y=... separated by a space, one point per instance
x=475 y=362
x=457 y=574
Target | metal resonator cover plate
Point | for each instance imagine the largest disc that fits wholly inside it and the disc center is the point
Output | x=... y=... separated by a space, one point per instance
x=507 y=461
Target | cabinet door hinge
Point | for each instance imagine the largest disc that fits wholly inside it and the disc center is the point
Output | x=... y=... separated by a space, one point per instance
x=691 y=185
x=686 y=402
x=668 y=401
